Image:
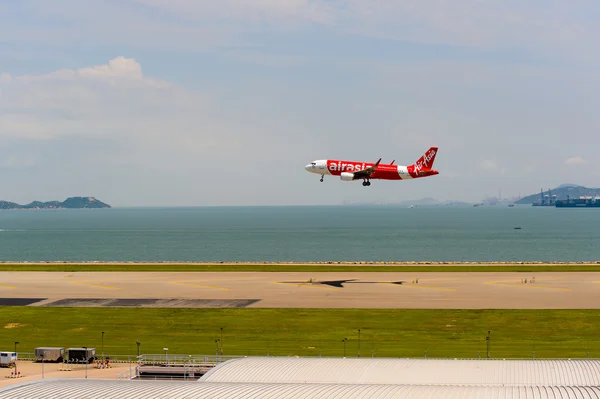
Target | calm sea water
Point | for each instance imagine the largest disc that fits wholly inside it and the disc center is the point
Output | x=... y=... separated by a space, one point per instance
x=335 y=233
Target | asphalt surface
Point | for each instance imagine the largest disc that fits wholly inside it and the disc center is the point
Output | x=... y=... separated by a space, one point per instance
x=546 y=290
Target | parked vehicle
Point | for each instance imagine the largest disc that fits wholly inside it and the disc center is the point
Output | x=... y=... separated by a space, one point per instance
x=49 y=354
x=81 y=355
x=8 y=359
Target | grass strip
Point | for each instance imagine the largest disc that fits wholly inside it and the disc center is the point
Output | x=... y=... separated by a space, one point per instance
x=308 y=332
x=182 y=267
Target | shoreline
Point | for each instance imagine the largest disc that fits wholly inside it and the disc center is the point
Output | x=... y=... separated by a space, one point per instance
x=300 y=263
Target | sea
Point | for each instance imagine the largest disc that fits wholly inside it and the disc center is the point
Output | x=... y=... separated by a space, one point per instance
x=490 y=233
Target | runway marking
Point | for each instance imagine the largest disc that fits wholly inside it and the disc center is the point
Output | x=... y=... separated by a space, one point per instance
x=249 y=279
x=7 y=286
x=527 y=285
x=108 y=287
x=430 y=288
x=199 y=285
x=310 y=285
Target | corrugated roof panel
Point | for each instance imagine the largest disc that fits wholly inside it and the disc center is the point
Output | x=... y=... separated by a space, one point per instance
x=113 y=389
x=407 y=371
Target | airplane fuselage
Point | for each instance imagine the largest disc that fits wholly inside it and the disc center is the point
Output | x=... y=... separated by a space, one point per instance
x=356 y=170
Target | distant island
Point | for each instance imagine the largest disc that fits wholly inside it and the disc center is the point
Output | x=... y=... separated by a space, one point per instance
x=69 y=203
x=562 y=192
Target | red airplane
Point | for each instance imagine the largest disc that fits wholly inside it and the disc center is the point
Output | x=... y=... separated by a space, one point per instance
x=350 y=170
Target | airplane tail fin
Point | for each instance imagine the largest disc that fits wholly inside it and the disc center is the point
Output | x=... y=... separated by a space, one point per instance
x=426 y=161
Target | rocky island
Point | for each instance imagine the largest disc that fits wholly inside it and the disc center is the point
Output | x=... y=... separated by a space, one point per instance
x=69 y=203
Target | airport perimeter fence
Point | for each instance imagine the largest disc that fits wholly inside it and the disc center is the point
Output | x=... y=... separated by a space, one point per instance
x=448 y=345
x=200 y=360
x=495 y=348
x=178 y=359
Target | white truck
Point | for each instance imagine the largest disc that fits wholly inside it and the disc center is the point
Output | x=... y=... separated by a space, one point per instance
x=8 y=359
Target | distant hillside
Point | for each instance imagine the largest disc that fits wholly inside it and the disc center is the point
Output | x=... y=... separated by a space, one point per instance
x=562 y=192
x=69 y=203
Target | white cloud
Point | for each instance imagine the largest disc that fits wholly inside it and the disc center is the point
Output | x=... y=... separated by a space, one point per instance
x=114 y=101
x=119 y=71
x=10 y=161
x=266 y=59
x=488 y=165
x=112 y=131
x=577 y=160
x=537 y=25
x=556 y=28
x=553 y=29
x=263 y=11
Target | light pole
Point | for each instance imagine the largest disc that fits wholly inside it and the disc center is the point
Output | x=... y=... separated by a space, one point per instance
x=359 y=342
x=373 y=346
x=221 y=341
x=102 y=346
x=488 y=343
x=166 y=355
x=86 y=360
x=139 y=360
x=344 y=341
x=186 y=371
x=16 y=357
x=217 y=350
x=320 y=345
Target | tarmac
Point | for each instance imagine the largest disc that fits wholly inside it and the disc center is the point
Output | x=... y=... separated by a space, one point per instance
x=449 y=290
x=33 y=371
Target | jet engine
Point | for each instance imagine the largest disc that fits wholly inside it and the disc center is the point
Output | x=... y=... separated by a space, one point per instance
x=347 y=176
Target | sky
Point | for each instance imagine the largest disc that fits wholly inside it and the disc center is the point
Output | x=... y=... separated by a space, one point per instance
x=223 y=102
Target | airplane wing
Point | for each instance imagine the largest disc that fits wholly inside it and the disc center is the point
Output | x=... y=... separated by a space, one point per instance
x=367 y=171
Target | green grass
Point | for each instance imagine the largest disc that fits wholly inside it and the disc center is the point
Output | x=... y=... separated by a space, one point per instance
x=308 y=332
x=135 y=267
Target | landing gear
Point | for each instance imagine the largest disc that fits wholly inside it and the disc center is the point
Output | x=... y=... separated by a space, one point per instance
x=366 y=183
x=321 y=178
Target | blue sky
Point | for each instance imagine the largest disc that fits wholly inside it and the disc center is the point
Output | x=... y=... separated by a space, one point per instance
x=184 y=102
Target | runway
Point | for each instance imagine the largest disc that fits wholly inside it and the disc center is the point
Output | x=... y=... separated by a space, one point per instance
x=451 y=290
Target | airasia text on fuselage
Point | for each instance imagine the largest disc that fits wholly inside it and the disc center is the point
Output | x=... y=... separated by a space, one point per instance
x=338 y=166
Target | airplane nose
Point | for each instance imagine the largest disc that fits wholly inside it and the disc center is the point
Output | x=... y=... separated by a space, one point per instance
x=307 y=167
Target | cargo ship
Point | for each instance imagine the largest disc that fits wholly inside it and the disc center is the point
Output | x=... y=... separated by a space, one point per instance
x=581 y=202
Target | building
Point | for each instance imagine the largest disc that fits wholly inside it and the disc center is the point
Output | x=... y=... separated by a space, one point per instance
x=280 y=377
x=407 y=371
x=109 y=389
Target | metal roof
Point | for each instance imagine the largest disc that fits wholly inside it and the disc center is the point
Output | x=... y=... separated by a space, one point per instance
x=108 y=389
x=407 y=371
